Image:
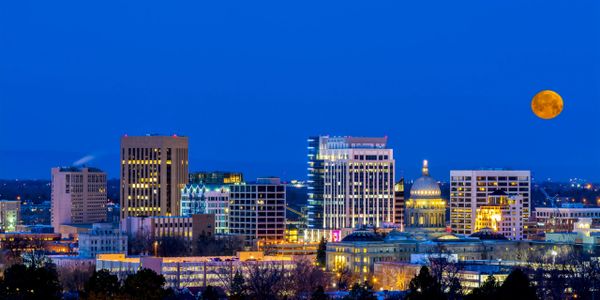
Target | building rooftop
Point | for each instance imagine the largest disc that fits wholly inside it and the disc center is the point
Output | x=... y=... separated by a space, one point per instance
x=363 y=236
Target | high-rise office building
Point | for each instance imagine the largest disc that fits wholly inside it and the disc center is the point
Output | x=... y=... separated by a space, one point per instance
x=469 y=190
x=257 y=211
x=216 y=178
x=315 y=184
x=10 y=215
x=351 y=182
x=399 y=203
x=154 y=169
x=207 y=199
x=78 y=196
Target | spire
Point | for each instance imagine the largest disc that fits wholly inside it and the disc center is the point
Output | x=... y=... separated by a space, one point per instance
x=425 y=168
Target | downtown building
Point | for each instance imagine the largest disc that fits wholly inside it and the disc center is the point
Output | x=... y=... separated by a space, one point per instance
x=154 y=169
x=501 y=214
x=207 y=199
x=10 y=215
x=78 y=196
x=471 y=189
x=257 y=211
x=350 y=182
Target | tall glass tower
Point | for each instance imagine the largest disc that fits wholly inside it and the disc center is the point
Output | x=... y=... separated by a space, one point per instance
x=315 y=184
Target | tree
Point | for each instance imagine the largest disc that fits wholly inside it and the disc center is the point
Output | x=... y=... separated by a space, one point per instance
x=322 y=253
x=101 y=286
x=266 y=281
x=517 y=287
x=29 y=283
x=306 y=277
x=360 y=291
x=487 y=291
x=210 y=293
x=73 y=279
x=424 y=287
x=171 y=246
x=140 y=243
x=237 y=289
x=209 y=245
x=446 y=272
x=145 y=284
x=319 y=294
x=343 y=277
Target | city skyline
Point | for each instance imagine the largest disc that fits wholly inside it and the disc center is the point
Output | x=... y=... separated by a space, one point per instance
x=248 y=83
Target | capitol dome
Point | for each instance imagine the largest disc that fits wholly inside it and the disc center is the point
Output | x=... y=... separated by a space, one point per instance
x=425 y=187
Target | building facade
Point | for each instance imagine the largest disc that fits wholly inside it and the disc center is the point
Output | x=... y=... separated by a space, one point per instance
x=216 y=178
x=154 y=169
x=78 y=196
x=425 y=209
x=399 y=203
x=564 y=218
x=502 y=214
x=102 y=238
x=189 y=228
x=315 y=184
x=470 y=190
x=10 y=215
x=191 y=271
x=207 y=199
x=351 y=182
x=257 y=211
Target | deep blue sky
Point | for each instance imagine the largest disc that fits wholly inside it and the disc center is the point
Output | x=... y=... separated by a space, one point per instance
x=248 y=81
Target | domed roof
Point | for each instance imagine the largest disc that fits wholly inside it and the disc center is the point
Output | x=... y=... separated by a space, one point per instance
x=396 y=235
x=363 y=236
x=425 y=187
x=488 y=234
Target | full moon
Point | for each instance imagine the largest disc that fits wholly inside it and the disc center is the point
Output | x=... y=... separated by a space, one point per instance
x=547 y=104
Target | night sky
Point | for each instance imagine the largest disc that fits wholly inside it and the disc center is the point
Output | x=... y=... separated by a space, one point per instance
x=249 y=81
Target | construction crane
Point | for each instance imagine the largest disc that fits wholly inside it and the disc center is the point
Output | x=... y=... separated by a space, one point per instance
x=295 y=211
x=553 y=219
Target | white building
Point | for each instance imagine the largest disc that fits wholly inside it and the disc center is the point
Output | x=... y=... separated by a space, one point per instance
x=358 y=182
x=564 y=218
x=207 y=199
x=191 y=271
x=78 y=196
x=470 y=190
x=10 y=215
x=102 y=238
x=257 y=211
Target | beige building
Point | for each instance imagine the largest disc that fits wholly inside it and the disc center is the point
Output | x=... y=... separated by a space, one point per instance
x=154 y=169
x=78 y=196
x=10 y=215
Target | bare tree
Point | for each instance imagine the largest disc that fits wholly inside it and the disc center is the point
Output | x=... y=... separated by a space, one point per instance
x=73 y=278
x=306 y=277
x=266 y=280
x=446 y=271
x=343 y=277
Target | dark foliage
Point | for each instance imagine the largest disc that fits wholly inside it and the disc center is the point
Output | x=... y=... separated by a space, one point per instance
x=144 y=285
x=101 y=285
x=29 y=283
x=319 y=294
x=425 y=287
x=517 y=287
